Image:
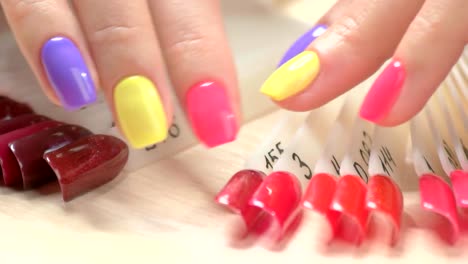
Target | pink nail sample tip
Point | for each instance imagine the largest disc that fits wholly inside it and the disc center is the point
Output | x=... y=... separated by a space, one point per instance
x=384 y=92
x=437 y=197
x=459 y=181
x=211 y=115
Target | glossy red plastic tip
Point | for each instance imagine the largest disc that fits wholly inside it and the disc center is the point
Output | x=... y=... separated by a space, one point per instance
x=236 y=195
x=10 y=168
x=10 y=109
x=87 y=163
x=437 y=197
x=29 y=152
x=279 y=196
x=459 y=181
x=349 y=201
x=319 y=193
x=384 y=196
x=9 y=125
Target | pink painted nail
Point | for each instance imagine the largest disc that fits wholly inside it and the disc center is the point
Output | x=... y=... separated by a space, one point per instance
x=384 y=92
x=459 y=181
x=210 y=113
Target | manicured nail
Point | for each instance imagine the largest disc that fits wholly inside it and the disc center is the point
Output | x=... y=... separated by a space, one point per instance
x=384 y=92
x=302 y=43
x=68 y=73
x=87 y=163
x=319 y=193
x=293 y=76
x=140 y=111
x=210 y=113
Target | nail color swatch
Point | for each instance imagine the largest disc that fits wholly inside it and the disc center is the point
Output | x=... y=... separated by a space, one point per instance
x=211 y=114
x=68 y=73
x=140 y=111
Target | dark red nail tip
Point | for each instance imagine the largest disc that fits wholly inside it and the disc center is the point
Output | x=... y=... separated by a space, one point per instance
x=236 y=195
x=384 y=196
x=87 y=163
x=319 y=193
x=29 y=152
x=349 y=201
x=437 y=197
x=459 y=181
x=10 y=168
x=279 y=196
x=10 y=109
x=18 y=122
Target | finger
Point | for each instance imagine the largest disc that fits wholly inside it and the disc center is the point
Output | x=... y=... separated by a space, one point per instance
x=200 y=66
x=125 y=48
x=430 y=48
x=351 y=49
x=69 y=81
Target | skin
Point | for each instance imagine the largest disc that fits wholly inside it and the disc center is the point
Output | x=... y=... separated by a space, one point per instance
x=186 y=40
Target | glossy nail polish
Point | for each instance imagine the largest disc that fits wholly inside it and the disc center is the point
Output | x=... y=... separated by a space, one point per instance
x=302 y=43
x=237 y=193
x=87 y=163
x=140 y=111
x=279 y=196
x=10 y=109
x=319 y=193
x=437 y=197
x=292 y=77
x=20 y=122
x=384 y=196
x=67 y=72
x=29 y=152
x=210 y=113
x=459 y=181
x=10 y=168
x=384 y=92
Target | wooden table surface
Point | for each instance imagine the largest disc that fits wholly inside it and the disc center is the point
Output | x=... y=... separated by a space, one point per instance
x=164 y=213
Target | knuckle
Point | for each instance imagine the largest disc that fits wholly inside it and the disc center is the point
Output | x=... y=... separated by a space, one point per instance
x=190 y=41
x=22 y=10
x=114 y=34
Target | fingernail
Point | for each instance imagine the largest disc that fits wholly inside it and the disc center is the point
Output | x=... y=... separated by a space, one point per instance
x=140 y=111
x=384 y=92
x=292 y=77
x=210 y=113
x=302 y=43
x=68 y=73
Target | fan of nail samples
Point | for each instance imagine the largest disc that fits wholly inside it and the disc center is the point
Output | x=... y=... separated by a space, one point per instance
x=36 y=150
x=360 y=171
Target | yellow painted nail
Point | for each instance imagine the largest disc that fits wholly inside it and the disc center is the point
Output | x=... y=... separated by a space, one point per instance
x=293 y=76
x=140 y=111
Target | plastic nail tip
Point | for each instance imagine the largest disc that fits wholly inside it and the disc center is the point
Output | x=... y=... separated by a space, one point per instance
x=437 y=197
x=349 y=201
x=279 y=196
x=236 y=194
x=10 y=167
x=319 y=193
x=459 y=181
x=29 y=152
x=20 y=122
x=87 y=163
x=384 y=196
x=10 y=109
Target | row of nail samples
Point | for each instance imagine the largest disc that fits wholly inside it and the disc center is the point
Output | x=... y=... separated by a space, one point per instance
x=357 y=170
x=36 y=150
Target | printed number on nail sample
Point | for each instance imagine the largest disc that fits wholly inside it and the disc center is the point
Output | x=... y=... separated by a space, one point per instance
x=174 y=132
x=428 y=165
x=451 y=155
x=302 y=164
x=365 y=155
x=335 y=164
x=273 y=155
x=386 y=160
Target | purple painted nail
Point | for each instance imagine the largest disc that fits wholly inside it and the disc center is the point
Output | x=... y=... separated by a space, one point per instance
x=302 y=43
x=67 y=73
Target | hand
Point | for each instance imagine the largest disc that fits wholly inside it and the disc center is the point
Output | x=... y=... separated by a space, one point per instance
x=133 y=50
x=423 y=38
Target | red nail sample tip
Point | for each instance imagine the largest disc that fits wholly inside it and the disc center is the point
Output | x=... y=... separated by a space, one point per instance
x=22 y=121
x=10 y=168
x=385 y=197
x=237 y=193
x=459 y=181
x=349 y=201
x=29 y=152
x=10 y=109
x=279 y=196
x=437 y=197
x=87 y=163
